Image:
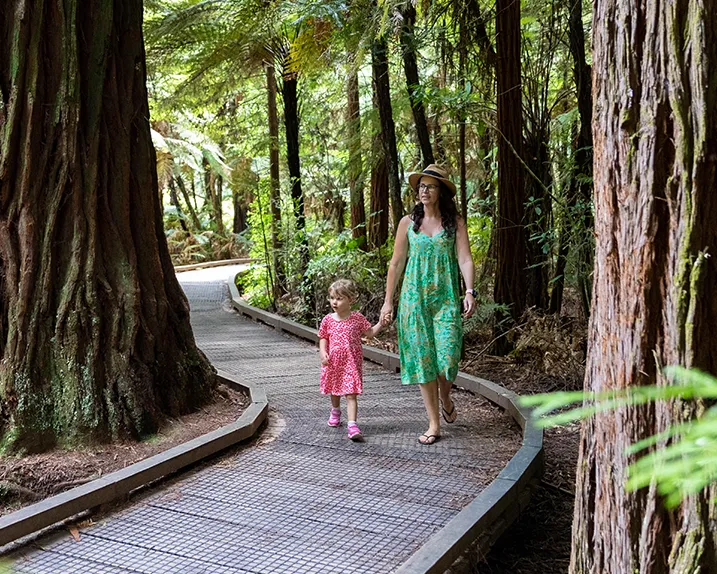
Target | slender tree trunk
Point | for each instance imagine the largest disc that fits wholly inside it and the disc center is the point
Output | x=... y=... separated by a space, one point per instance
x=95 y=340
x=210 y=196
x=174 y=200
x=217 y=201
x=479 y=33
x=580 y=192
x=192 y=213
x=378 y=218
x=239 y=223
x=355 y=167
x=462 y=122
x=379 y=55
x=655 y=134
x=509 y=287
x=410 y=66
x=538 y=215
x=378 y=214
x=274 y=182
x=291 y=121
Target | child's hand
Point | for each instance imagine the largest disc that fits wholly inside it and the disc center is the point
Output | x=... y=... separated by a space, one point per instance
x=386 y=314
x=324 y=358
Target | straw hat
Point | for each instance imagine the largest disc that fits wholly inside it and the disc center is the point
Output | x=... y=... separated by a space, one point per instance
x=436 y=171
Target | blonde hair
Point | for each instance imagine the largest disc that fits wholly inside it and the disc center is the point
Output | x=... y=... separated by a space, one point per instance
x=344 y=288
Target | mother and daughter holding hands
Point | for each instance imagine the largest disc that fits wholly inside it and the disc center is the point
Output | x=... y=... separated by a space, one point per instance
x=431 y=247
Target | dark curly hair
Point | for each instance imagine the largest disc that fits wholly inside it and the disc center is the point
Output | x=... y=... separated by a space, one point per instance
x=447 y=207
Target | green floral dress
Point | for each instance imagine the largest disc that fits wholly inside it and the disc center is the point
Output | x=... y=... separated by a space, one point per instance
x=430 y=333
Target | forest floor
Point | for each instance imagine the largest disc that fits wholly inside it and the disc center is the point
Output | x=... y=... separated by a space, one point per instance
x=28 y=479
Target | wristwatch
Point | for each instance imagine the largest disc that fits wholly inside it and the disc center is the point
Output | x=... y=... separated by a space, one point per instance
x=472 y=292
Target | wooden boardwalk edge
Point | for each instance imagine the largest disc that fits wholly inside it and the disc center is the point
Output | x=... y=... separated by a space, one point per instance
x=55 y=509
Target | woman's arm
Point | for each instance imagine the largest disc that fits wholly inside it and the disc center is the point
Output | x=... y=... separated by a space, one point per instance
x=395 y=268
x=465 y=262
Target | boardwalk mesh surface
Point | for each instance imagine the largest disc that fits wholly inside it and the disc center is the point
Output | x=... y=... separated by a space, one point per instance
x=302 y=498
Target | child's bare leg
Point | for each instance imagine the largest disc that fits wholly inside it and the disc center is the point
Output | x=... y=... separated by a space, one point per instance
x=335 y=401
x=352 y=407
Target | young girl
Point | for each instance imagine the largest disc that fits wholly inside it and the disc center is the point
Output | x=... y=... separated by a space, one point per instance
x=341 y=355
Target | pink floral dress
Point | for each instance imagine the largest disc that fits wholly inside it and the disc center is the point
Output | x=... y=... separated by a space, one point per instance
x=344 y=373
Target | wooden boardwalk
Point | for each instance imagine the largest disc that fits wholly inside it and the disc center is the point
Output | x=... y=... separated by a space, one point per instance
x=301 y=498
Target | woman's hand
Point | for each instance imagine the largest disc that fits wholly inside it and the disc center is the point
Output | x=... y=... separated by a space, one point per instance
x=386 y=314
x=324 y=358
x=469 y=305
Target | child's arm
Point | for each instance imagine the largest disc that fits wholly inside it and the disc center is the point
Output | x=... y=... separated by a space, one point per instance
x=323 y=352
x=373 y=331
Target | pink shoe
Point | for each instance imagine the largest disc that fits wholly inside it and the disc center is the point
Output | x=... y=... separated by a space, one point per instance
x=355 y=433
x=335 y=418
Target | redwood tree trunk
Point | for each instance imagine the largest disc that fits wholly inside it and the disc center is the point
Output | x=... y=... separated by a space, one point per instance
x=655 y=135
x=579 y=198
x=509 y=287
x=95 y=340
x=291 y=122
x=379 y=58
x=410 y=66
x=355 y=168
x=275 y=183
x=538 y=212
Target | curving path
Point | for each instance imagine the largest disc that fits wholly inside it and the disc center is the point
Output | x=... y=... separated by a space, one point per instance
x=302 y=498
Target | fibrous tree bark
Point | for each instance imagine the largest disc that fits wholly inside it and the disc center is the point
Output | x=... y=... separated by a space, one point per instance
x=95 y=340
x=355 y=168
x=379 y=60
x=653 y=304
x=509 y=286
x=410 y=66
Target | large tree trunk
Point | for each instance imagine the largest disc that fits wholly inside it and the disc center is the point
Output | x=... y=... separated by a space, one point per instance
x=580 y=191
x=379 y=59
x=291 y=122
x=509 y=287
x=655 y=134
x=355 y=167
x=95 y=340
x=274 y=182
x=410 y=66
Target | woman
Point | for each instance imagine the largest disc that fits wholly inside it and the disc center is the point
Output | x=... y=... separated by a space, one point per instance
x=434 y=239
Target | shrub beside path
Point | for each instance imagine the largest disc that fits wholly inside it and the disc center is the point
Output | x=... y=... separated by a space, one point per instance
x=301 y=498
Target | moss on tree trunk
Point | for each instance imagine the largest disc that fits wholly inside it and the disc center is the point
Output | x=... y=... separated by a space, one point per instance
x=95 y=340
